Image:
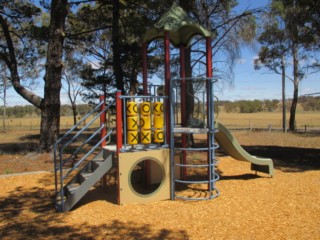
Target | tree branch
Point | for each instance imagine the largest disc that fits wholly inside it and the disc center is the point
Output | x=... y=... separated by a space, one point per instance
x=89 y=31
x=12 y=64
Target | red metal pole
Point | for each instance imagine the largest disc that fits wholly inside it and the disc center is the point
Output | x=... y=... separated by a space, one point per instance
x=118 y=121
x=144 y=68
x=103 y=121
x=118 y=137
x=167 y=81
x=209 y=57
x=183 y=107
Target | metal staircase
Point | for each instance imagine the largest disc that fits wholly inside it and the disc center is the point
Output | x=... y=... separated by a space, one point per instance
x=74 y=177
x=83 y=181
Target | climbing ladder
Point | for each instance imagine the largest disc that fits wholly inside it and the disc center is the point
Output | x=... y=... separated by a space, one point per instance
x=202 y=86
x=73 y=179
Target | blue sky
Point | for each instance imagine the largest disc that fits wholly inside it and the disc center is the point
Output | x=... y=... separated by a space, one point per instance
x=248 y=84
x=251 y=84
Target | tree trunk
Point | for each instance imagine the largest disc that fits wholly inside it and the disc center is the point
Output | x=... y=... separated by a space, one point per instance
x=4 y=103
x=116 y=46
x=292 y=120
x=50 y=114
x=292 y=126
x=74 y=112
x=187 y=5
x=284 y=107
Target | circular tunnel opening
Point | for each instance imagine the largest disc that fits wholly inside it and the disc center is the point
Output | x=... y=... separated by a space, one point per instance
x=146 y=177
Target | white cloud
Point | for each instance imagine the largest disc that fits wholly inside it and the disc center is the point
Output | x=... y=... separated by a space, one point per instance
x=241 y=61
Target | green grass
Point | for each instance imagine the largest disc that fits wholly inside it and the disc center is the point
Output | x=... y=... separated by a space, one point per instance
x=7 y=171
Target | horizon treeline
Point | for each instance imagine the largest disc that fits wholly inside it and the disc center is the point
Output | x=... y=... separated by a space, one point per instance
x=307 y=103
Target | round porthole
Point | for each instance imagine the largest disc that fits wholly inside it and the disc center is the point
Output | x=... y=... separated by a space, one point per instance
x=146 y=177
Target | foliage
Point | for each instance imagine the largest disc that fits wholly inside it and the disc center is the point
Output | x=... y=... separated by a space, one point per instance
x=19 y=46
x=291 y=31
x=230 y=106
x=111 y=47
x=246 y=106
x=310 y=103
x=250 y=106
x=20 y=111
x=32 y=111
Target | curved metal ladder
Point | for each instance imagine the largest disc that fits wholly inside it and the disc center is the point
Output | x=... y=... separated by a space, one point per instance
x=207 y=129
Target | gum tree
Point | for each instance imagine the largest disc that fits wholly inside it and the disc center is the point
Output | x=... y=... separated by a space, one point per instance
x=20 y=34
x=291 y=36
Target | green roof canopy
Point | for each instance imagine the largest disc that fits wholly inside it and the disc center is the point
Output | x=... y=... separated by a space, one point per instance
x=179 y=24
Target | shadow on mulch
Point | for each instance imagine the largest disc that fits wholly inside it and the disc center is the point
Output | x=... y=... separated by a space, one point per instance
x=27 y=213
x=288 y=158
x=18 y=147
x=30 y=142
x=247 y=176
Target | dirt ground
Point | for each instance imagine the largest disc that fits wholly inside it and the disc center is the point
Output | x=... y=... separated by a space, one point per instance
x=249 y=206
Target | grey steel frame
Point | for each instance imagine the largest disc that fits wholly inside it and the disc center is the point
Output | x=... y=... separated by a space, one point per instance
x=210 y=130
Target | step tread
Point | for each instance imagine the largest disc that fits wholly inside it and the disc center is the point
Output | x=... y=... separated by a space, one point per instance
x=83 y=181
x=73 y=187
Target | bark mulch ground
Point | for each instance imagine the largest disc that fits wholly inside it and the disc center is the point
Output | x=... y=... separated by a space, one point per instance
x=250 y=207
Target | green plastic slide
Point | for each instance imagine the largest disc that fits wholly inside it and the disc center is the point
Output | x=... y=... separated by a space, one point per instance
x=230 y=145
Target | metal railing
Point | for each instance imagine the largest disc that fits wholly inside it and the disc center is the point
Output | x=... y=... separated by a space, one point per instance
x=67 y=139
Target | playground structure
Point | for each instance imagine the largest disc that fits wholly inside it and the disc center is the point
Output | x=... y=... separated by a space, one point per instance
x=151 y=154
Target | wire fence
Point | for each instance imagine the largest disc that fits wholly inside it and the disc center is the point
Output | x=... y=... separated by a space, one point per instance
x=33 y=123
x=304 y=122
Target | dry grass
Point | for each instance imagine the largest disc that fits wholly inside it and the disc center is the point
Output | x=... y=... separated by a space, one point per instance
x=263 y=119
x=249 y=138
x=33 y=123
x=240 y=120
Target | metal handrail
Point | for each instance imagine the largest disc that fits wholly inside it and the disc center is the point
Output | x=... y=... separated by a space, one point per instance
x=57 y=146
x=85 y=156
x=83 y=119
x=63 y=177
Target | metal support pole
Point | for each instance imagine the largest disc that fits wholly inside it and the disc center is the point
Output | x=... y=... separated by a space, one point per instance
x=183 y=108
x=118 y=137
x=118 y=121
x=167 y=81
x=210 y=111
x=103 y=121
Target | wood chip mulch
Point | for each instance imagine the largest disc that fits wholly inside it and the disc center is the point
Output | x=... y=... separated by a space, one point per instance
x=249 y=207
